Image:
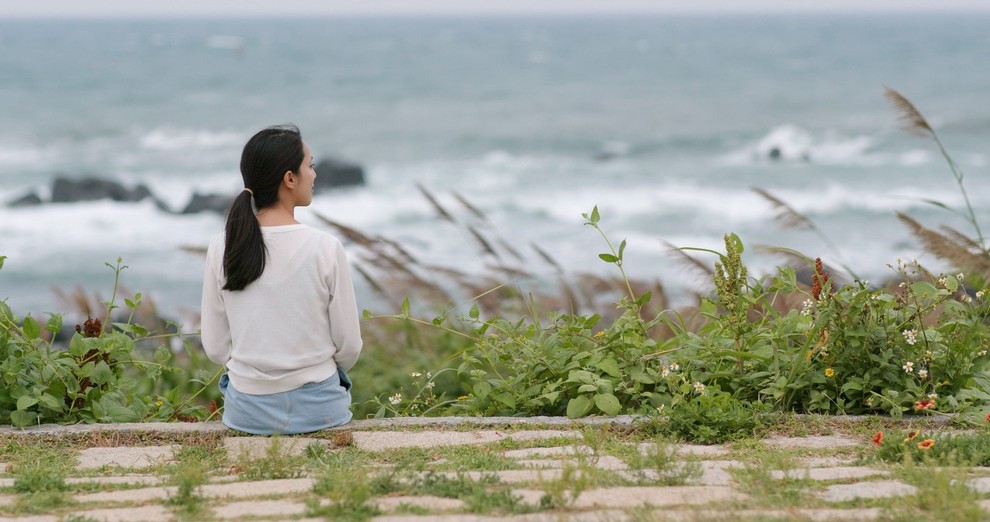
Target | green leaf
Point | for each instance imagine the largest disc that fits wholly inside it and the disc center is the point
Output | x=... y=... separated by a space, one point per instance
x=405 y=306
x=610 y=367
x=474 y=312
x=101 y=373
x=736 y=242
x=51 y=402
x=622 y=248
x=924 y=289
x=607 y=403
x=54 y=324
x=26 y=401
x=31 y=328
x=366 y=314
x=2 y=259
x=643 y=299
x=608 y=258
x=586 y=388
x=21 y=418
x=594 y=215
x=579 y=407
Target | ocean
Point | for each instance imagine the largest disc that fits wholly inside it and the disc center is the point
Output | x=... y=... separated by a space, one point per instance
x=665 y=123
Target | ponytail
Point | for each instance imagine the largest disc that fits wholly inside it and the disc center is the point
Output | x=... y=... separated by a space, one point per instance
x=267 y=156
x=244 y=250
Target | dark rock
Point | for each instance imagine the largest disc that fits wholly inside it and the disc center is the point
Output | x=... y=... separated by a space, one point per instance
x=28 y=200
x=333 y=172
x=91 y=189
x=208 y=202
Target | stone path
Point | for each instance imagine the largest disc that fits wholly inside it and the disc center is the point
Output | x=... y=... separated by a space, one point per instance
x=447 y=471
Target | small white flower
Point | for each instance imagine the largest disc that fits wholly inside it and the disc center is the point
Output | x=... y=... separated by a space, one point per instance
x=698 y=387
x=929 y=355
x=875 y=296
x=429 y=375
x=910 y=336
x=415 y=374
x=902 y=285
x=981 y=353
x=664 y=372
x=660 y=408
x=960 y=276
x=908 y=367
x=942 y=280
x=980 y=294
x=395 y=399
x=674 y=367
x=966 y=298
x=922 y=373
x=430 y=385
x=932 y=396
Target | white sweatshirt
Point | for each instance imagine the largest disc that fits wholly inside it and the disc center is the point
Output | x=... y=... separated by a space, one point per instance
x=293 y=325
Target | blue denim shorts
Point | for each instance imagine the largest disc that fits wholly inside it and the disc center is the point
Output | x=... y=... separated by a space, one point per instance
x=311 y=407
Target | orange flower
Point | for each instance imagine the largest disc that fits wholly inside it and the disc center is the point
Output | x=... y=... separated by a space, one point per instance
x=925 y=444
x=911 y=436
x=878 y=438
x=987 y=418
x=926 y=404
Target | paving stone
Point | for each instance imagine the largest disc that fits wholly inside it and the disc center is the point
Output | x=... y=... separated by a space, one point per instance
x=144 y=480
x=824 y=462
x=258 y=488
x=813 y=442
x=836 y=473
x=135 y=514
x=655 y=496
x=529 y=497
x=6 y=500
x=810 y=515
x=258 y=447
x=259 y=508
x=383 y=440
x=35 y=518
x=611 y=515
x=713 y=473
x=6 y=482
x=429 y=502
x=124 y=456
x=686 y=449
x=980 y=485
x=511 y=476
x=879 y=489
x=544 y=463
x=556 y=451
x=127 y=495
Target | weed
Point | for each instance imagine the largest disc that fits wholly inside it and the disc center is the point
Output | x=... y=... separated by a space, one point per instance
x=276 y=463
x=348 y=491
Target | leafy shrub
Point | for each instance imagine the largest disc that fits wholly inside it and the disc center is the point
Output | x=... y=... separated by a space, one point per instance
x=97 y=378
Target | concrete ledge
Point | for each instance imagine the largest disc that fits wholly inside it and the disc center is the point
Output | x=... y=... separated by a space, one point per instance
x=426 y=422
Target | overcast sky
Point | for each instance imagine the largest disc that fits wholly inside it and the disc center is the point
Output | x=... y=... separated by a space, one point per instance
x=131 y=8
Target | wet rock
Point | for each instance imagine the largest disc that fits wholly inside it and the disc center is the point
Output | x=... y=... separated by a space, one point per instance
x=28 y=200
x=66 y=190
x=208 y=202
x=334 y=172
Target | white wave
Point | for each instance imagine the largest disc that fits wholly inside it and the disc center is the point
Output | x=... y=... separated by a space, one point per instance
x=173 y=139
x=224 y=41
x=790 y=143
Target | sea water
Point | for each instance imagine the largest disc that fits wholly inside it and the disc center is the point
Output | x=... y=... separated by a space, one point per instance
x=665 y=123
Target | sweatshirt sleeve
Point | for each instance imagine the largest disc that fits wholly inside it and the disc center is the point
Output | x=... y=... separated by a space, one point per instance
x=345 y=328
x=215 y=333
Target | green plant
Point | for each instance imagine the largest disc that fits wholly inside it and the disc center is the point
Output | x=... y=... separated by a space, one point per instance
x=348 y=491
x=97 y=378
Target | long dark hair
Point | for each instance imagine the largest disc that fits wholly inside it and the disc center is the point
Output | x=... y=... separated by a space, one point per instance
x=267 y=156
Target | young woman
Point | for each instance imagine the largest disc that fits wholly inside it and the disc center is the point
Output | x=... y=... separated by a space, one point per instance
x=279 y=311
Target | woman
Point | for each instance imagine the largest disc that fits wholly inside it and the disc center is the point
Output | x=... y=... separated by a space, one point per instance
x=279 y=311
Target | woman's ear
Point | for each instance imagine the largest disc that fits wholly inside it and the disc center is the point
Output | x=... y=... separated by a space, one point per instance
x=289 y=179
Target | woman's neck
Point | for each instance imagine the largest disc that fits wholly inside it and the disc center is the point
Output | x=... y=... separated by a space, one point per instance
x=276 y=215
